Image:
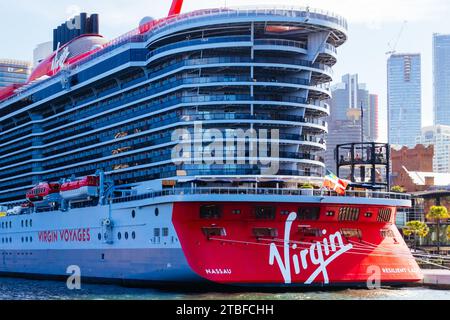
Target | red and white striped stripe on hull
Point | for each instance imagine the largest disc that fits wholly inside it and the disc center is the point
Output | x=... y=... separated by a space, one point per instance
x=241 y=250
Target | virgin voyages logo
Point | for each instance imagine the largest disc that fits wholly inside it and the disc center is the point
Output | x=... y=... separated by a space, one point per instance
x=320 y=254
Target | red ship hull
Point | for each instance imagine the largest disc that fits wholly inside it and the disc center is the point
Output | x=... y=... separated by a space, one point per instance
x=280 y=249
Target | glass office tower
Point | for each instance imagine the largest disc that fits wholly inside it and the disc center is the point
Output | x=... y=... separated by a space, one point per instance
x=441 y=76
x=404 y=99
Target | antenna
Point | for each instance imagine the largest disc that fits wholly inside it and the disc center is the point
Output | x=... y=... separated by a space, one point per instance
x=393 y=46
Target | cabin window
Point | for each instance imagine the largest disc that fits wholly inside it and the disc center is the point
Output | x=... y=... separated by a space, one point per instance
x=119 y=236
x=348 y=214
x=351 y=233
x=210 y=212
x=165 y=232
x=265 y=232
x=156 y=232
x=126 y=235
x=133 y=214
x=265 y=213
x=236 y=212
x=310 y=232
x=214 y=232
x=133 y=235
x=309 y=213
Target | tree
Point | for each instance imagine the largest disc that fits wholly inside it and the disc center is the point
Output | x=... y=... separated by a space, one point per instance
x=398 y=189
x=417 y=228
x=437 y=214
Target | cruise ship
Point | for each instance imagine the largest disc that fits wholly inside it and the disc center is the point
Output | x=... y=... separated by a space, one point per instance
x=190 y=150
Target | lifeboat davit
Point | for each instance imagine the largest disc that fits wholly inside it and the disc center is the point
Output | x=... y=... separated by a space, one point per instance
x=84 y=188
x=42 y=191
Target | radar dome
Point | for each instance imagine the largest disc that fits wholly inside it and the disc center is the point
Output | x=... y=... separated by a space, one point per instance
x=146 y=20
x=145 y=24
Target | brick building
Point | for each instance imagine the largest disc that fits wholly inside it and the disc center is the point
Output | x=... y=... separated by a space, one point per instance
x=412 y=168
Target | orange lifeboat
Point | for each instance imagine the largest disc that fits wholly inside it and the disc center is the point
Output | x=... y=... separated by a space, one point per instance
x=42 y=191
x=80 y=189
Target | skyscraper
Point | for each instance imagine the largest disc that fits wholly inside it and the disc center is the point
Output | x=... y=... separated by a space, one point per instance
x=441 y=76
x=404 y=99
x=13 y=72
x=349 y=97
x=374 y=114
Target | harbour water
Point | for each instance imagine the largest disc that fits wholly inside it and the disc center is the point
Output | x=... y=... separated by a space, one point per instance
x=19 y=289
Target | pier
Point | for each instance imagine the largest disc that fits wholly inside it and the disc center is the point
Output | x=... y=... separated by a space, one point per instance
x=436 y=278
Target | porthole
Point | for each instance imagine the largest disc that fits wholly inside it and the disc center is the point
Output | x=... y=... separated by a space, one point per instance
x=133 y=214
x=99 y=236
x=31 y=222
x=21 y=223
x=126 y=235
x=26 y=223
x=119 y=236
x=22 y=239
x=156 y=212
x=31 y=239
x=133 y=235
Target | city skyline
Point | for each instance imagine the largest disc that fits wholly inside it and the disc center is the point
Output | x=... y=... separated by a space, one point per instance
x=373 y=24
x=344 y=123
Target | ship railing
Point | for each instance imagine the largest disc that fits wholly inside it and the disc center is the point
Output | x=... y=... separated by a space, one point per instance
x=261 y=191
x=299 y=12
x=134 y=36
x=281 y=42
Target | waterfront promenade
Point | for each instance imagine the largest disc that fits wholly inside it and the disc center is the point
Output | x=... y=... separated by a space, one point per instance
x=436 y=277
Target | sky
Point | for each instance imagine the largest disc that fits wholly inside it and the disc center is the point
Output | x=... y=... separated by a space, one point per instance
x=374 y=26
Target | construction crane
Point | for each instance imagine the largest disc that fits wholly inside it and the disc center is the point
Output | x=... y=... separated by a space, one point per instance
x=393 y=46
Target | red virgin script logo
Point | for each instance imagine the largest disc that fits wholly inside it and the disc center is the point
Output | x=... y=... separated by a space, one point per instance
x=66 y=235
x=320 y=254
